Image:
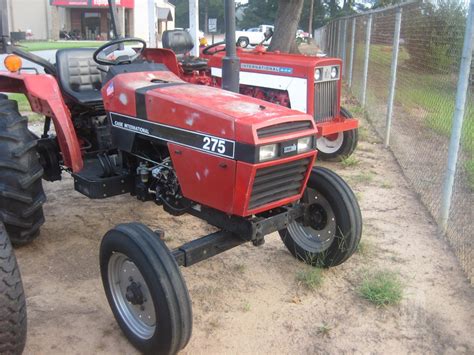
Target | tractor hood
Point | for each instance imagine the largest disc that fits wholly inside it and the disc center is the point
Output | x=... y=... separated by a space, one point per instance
x=163 y=98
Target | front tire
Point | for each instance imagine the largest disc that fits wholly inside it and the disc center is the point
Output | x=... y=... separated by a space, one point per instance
x=12 y=300
x=338 y=145
x=331 y=229
x=21 y=189
x=243 y=42
x=145 y=289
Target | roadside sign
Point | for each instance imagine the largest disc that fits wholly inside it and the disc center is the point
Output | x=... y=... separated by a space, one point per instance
x=212 y=25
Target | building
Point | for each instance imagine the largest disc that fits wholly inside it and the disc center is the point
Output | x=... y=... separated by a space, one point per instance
x=87 y=19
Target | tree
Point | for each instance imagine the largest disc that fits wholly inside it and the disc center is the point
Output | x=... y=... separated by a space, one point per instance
x=258 y=12
x=286 y=24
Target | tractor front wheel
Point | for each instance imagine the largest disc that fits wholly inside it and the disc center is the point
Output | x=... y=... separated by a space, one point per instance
x=338 y=145
x=331 y=228
x=145 y=289
x=21 y=189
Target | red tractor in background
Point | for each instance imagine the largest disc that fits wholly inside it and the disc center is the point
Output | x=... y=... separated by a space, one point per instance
x=309 y=84
x=126 y=122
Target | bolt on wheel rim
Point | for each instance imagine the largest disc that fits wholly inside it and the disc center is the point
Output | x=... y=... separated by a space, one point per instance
x=131 y=296
x=319 y=234
x=329 y=146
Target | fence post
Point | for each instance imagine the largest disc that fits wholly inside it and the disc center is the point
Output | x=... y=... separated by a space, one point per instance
x=344 y=39
x=351 y=60
x=393 y=75
x=366 y=59
x=458 y=117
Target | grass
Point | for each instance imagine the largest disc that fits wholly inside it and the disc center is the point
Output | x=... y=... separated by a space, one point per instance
x=45 y=45
x=469 y=165
x=324 y=329
x=311 y=278
x=382 y=288
x=429 y=98
x=246 y=307
x=349 y=161
x=23 y=104
x=25 y=108
x=363 y=177
x=365 y=248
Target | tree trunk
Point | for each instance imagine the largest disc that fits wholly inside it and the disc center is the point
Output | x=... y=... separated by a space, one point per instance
x=286 y=24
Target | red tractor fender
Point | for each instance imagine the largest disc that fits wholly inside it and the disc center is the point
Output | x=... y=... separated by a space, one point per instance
x=45 y=98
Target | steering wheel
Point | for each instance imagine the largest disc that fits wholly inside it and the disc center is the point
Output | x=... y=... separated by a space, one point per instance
x=104 y=55
x=206 y=50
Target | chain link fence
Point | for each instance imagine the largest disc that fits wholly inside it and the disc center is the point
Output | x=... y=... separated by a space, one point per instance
x=403 y=65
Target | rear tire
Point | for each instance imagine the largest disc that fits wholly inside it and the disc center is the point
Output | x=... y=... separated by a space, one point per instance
x=340 y=145
x=145 y=289
x=21 y=189
x=243 y=42
x=12 y=300
x=331 y=230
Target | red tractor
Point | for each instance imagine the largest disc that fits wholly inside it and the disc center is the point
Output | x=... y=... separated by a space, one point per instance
x=309 y=84
x=126 y=125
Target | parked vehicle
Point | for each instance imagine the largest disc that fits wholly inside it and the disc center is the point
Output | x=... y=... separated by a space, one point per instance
x=254 y=36
x=311 y=84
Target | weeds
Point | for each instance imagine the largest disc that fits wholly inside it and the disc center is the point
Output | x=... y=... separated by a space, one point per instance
x=311 y=278
x=365 y=248
x=470 y=173
x=364 y=177
x=238 y=268
x=349 y=161
x=386 y=185
x=382 y=288
x=324 y=329
x=246 y=307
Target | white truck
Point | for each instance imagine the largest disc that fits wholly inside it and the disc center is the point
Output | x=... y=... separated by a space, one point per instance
x=253 y=36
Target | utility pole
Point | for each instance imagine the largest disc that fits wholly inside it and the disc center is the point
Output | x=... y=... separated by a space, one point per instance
x=194 y=25
x=310 y=22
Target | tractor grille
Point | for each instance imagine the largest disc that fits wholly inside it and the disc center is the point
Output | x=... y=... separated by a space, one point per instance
x=282 y=128
x=325 y=100
x=277 y=182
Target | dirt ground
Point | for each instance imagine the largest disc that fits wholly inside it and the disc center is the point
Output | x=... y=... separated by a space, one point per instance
x=248 y=300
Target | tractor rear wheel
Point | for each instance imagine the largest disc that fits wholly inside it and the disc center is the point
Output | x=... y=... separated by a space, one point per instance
x=12 y=300
x=145 y=289
x=339 y=145
x=331 y=229
x=21 y=189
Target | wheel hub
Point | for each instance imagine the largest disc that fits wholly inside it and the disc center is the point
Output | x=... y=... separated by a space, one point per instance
x=134 y=294
x=316 y=231
x=131 y=295
x=317 y=217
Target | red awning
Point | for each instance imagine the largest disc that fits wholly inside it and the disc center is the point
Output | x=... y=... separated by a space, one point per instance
x=92 y=3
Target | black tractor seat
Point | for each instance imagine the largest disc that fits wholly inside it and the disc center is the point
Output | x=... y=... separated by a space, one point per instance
x=181 y=43
x=79 y=77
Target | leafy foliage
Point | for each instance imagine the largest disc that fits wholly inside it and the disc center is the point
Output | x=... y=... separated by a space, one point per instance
x=215 y=10
x=434 y=35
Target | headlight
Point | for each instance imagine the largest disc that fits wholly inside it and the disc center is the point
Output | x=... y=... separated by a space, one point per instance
x=334 y=72
x=317 y=74
x=267 y=152
x=304 y=144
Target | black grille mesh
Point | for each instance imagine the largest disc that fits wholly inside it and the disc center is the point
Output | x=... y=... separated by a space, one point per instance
x=282 y=128
x=325 y=101
x=277 y=182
